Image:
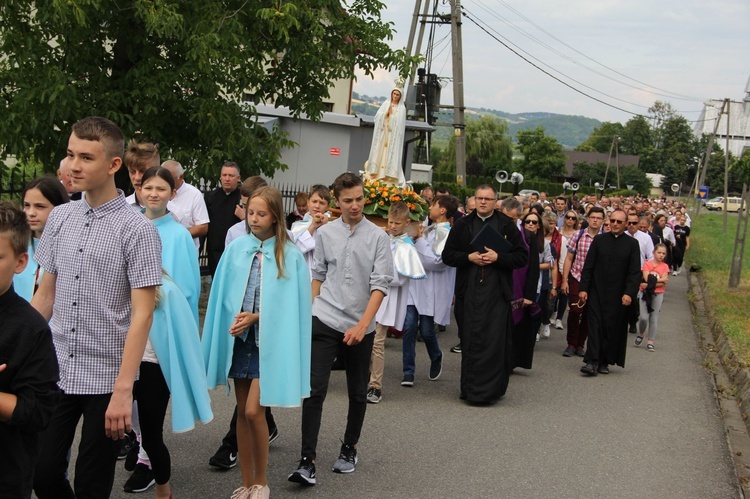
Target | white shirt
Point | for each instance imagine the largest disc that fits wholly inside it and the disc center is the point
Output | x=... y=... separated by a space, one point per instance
x=189 y=208
x=646 y=245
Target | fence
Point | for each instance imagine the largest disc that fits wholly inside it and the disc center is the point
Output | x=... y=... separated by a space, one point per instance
x=12 y=183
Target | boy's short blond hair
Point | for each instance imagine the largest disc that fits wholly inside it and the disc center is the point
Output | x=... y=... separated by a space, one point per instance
x=14 y=227
x=141 y=155
x=398 y=209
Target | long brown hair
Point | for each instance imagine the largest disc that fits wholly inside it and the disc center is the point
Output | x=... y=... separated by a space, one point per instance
x=272 y=197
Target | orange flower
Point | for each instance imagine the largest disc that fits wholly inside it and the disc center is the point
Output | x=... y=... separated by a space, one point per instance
x=411 y=206
x=372 y=194
x=382 y=203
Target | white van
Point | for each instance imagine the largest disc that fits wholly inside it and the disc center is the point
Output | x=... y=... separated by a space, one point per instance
x=733 y=205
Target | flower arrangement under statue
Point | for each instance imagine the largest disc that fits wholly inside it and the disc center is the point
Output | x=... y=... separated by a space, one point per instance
x=380 y=195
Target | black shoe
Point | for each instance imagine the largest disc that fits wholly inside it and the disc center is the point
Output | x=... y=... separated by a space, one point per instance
x=305 y=472
x=338 y=364
x=632 y=329
x=603 y=369
x=579 y=352
x=141 y=480
x=456 y=349
x=347 y=461
x=441 y=328
x=273 y=434
x=589 y=369
x=225 y=458
x=125 y=445
x=407 y=380
x=436 y=368
x=132 y=458
x=570 y=351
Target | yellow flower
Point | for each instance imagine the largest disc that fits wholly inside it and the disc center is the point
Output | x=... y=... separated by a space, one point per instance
x=382 y=203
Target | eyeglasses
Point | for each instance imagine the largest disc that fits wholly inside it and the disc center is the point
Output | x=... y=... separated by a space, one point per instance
x=615 y=221
x=606 y=224
x=483 y=200
x=571 y=218
x=632 y=223
x=531 y=222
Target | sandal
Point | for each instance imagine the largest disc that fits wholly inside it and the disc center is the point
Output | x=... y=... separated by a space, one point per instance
x=638 y=340
x=650 y=347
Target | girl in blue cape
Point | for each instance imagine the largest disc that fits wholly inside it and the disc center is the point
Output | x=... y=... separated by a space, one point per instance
x=172 y=363
x=40 y=196
x=258 y=330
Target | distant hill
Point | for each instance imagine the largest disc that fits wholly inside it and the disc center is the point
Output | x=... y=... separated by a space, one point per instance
x=569 y=130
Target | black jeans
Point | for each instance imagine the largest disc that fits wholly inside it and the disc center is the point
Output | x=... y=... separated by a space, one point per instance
x=97 y=454
x=152 y=393
x=327 y=343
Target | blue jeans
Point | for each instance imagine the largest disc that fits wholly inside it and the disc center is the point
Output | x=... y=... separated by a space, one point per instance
x=427 y=330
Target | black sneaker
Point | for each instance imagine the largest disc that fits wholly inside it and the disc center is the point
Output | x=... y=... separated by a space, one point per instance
x=125 y=445
x=141 y=480
x=225 y=458
x=305 y=472
x=407 y=380
x=580 y=352
x=632 y=329
x=436 y=368
x=347 y=460
x=132 y=458
x=456 y=349
x=603 y=369
x=374 y=395
x=273 y=434
x=590 y=369
x=570 y=351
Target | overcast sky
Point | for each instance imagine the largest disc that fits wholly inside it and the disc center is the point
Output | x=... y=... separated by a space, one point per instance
x=690 y=49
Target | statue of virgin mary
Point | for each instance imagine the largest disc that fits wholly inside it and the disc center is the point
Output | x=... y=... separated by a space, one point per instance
x=384 y=162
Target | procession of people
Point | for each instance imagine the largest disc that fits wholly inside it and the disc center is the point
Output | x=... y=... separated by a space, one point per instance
x=100 y=305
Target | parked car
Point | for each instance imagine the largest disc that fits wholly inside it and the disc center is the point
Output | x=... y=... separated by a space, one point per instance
x=528 y=192
x=712 y=200
x=733 y=205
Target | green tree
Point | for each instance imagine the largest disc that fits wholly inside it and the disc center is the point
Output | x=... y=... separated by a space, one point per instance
x=636 y=137
x=543 y=156
x=600 y=139
x=184 y=74
x=488 y=147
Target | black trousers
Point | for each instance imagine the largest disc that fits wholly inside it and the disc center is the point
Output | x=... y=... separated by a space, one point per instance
x=152 y=393
x=327 y=343
x=97 y=454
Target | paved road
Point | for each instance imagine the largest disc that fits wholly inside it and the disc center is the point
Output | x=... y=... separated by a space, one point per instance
x=650 y=430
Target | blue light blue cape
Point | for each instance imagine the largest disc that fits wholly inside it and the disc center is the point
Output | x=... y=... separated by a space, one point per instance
x=23 y=283
x=174 y=337
x=285 y=320
x=180 y=259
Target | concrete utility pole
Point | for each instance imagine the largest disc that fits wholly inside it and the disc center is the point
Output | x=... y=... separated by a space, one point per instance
x=459 y=127
x=726 y=169
x=707 y=157
x=410 y=49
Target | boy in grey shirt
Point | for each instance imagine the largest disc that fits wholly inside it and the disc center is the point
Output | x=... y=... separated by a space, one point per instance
x=353 y=268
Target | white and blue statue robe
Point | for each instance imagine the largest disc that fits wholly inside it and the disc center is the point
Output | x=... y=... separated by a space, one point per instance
x=179 y=258
x=176 y=343
x=285 y=324
x=25 y=282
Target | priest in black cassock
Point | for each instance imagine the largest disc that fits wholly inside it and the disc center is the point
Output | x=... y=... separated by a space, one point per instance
x=484 y=290
x=609 y=284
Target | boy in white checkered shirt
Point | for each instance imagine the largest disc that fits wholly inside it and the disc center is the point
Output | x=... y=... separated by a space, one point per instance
x=102 y=264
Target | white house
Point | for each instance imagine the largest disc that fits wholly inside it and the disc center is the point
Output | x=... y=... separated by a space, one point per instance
x=739 y=123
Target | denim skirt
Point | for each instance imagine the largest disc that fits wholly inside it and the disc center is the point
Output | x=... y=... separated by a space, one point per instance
x=245 y=359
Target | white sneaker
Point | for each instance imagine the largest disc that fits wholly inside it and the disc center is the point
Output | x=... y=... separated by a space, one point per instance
x=558 y=324
x=537 y=336
x=674 y=273
x=545 y=331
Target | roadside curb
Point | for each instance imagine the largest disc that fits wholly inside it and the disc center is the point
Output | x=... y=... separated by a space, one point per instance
x=730 y=379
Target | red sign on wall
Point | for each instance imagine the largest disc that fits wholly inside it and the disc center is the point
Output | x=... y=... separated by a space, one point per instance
x=335 y=151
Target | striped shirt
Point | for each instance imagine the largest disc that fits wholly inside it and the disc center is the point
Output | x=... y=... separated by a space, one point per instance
x=98 y=255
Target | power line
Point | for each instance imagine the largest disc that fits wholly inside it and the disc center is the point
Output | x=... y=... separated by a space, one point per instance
x=673 y=95
x=470 y=18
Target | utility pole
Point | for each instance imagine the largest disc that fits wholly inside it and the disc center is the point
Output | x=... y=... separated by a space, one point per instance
x=707 y=157
x=726 y=170
x=459 y=127
x=410 y=42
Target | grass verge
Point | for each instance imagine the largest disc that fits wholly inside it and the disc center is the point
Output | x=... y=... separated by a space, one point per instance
x=711 y=249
